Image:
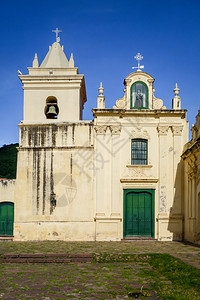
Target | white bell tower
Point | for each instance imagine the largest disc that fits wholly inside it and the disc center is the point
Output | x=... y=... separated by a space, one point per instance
x=54 y=91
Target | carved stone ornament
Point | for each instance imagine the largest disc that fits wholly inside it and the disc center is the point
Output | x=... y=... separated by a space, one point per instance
x=120 y=103
x=139 y=134
x=177 y=130
x=157 y=103
x=150 y=81
x=100 y=129
x=115 y=129
x=162 y=129
x=135 y=172
x=194 y=130
x=127 y=82
x=191 y=175
x=198 y=176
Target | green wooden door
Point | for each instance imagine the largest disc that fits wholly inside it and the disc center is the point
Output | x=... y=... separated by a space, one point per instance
x=6 y=218
x=139 y=213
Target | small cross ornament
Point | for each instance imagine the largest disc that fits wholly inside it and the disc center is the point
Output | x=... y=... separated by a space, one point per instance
x=57 y=32
x=138 y=57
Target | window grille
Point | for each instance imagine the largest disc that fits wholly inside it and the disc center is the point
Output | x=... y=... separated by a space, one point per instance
x=139 y=151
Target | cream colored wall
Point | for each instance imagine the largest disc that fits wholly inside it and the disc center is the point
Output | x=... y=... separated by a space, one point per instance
x=35 y=102
x=166 y=132
x=7 y=189
x=113 y=134
x=191 y=160
x=192 y=200
x=56 y=158
x=65 y=84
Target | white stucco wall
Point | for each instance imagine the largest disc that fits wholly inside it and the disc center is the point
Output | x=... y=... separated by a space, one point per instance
x=7 y=189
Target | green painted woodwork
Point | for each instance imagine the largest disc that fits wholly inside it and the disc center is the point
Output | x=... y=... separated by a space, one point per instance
x=139 y=152
x=6 y=218
x=147 y=95
x=139 y=213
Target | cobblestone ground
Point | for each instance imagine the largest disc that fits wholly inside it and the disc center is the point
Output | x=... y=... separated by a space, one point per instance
x=113 y=280
x=73 y=281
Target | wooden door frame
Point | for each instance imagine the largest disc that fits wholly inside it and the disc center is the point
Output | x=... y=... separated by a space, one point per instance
x=152 y=192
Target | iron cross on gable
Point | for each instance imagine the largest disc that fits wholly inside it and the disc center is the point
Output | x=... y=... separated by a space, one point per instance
x=138 y=57
x=57 y=32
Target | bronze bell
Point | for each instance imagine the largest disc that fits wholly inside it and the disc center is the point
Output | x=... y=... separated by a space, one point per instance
x=52 y=112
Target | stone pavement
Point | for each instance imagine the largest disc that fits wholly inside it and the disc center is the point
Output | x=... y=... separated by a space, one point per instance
x=74 y=281
x=87 y=279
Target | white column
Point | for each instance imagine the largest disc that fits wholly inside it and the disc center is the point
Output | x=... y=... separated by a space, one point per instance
x=163 y=146
x=99 y=158
x=115 y=178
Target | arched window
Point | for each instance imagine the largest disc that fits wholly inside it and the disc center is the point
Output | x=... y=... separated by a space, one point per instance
x=139 y=152
x=139 y=95
x=51 y=109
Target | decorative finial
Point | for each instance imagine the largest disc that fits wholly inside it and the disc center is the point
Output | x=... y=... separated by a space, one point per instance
x=138 y=57
x=71 y=61
x=57 y=32
x=35 y=61
x=176 y=101
x=101 y=89
x=176 y=90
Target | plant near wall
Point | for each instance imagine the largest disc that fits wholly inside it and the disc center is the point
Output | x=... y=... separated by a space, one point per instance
x=8 y=161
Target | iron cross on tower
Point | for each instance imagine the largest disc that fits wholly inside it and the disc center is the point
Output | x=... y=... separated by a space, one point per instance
x=57 y=32
x=138 y=57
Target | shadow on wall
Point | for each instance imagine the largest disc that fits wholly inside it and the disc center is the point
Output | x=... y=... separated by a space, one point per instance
x=176 y=211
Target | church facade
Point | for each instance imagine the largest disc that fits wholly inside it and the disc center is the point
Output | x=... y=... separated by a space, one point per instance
x=120 y=176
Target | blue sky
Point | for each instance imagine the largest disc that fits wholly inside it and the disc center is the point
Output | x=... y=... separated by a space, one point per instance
x=104 y=37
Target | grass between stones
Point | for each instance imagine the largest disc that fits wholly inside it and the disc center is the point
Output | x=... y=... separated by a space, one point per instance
x=172 y=278
x=169 y=276
x=113 y=274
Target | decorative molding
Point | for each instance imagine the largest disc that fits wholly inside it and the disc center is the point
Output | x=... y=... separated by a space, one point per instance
x=127 y=81
x=191 y=175
x=139 y=166
x=150 y=81
x=162 y=129
x=138 y=171
x=139 y=134
x=198 y=176
x=115 y=129
x=157 y=103
x=142 y=180
x=177 y=130
x=120 y=103
x=100 y=129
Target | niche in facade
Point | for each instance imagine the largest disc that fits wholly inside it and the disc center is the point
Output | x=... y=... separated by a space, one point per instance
x=139 y=95
x=51 y=109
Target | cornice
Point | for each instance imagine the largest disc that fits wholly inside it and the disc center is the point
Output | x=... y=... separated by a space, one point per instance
x=191 y=149
x=57 y=124
x=29 y=78
x=134 y=112
x=138 y=73
x=54 y=69
x=150 y=180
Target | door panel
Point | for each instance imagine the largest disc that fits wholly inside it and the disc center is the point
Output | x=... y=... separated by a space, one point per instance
x=6 y=218
x=138 y=213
